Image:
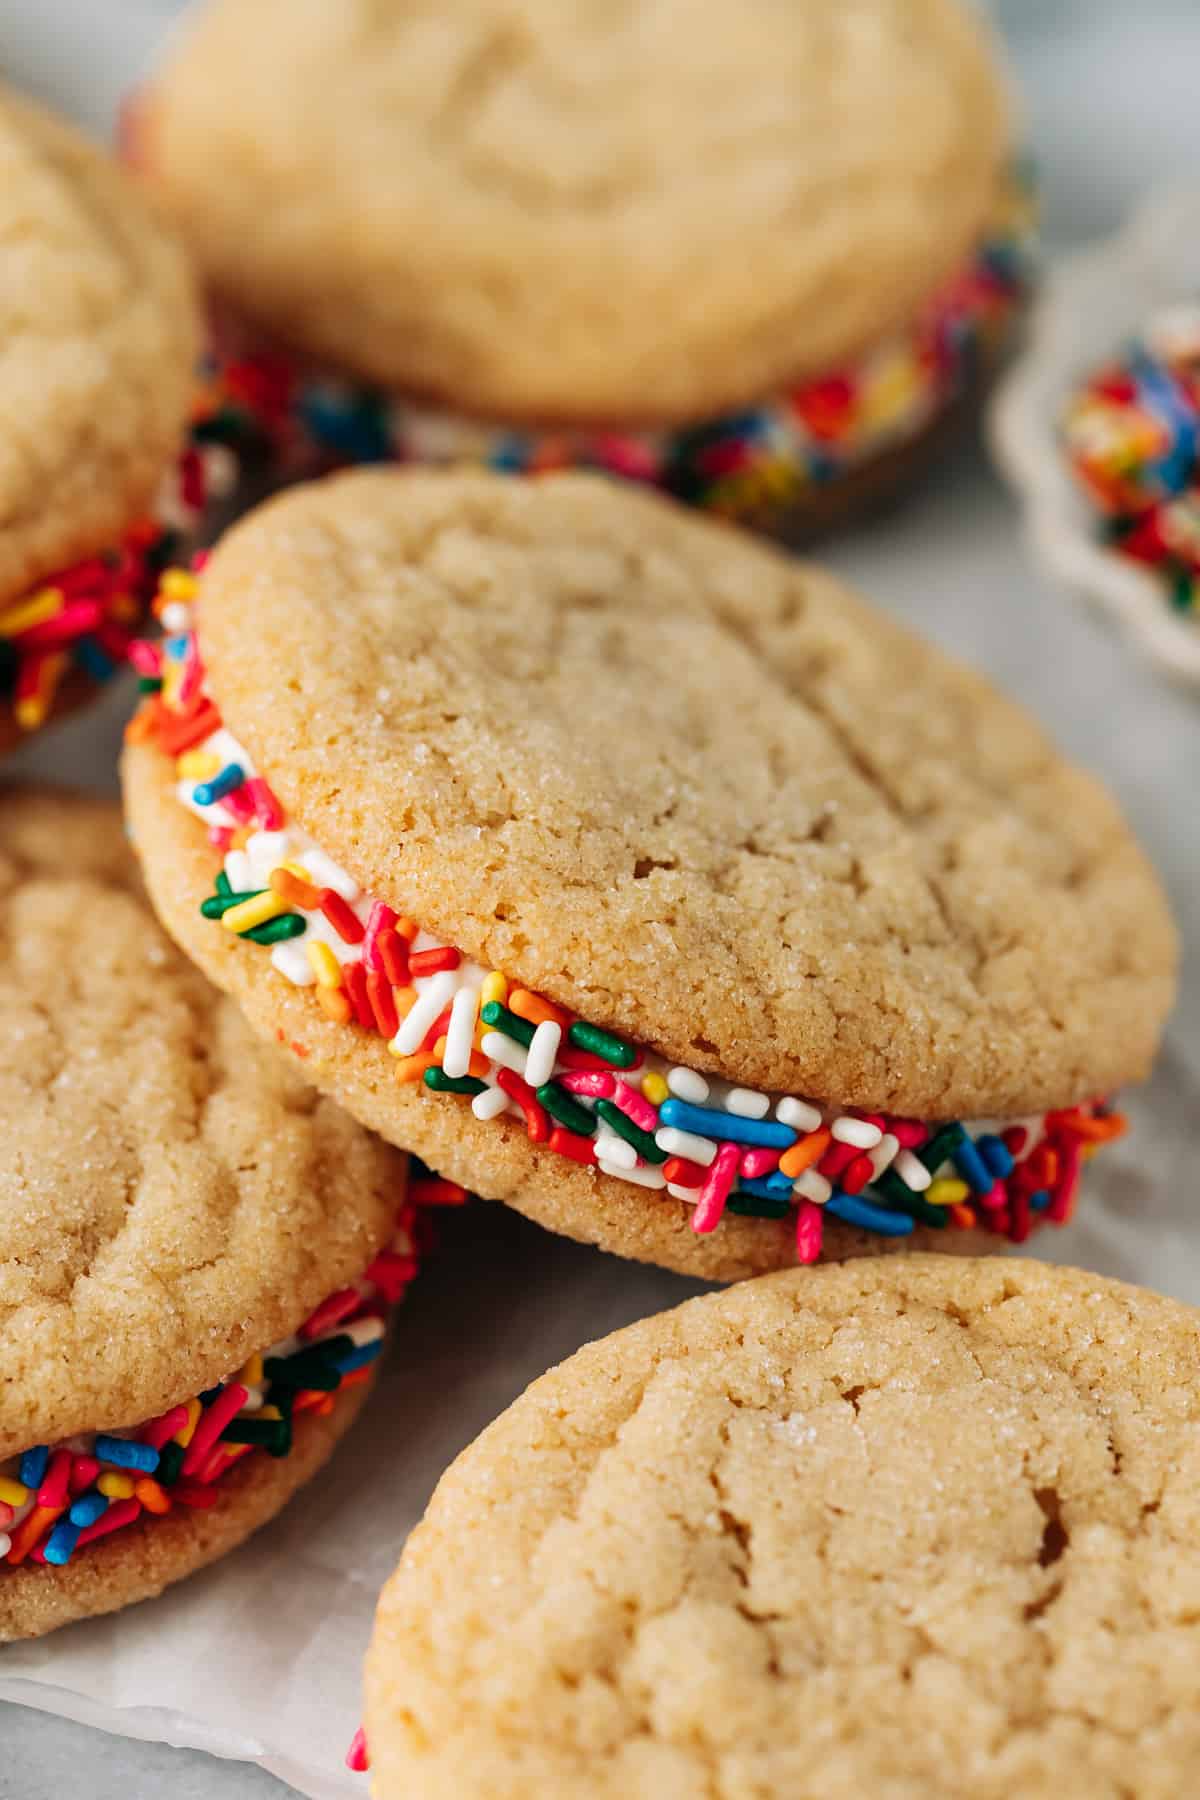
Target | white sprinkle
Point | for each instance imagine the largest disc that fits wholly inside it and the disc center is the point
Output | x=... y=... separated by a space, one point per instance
x=424 y=1011
x=5 y=1543
x=362 y=1331
x=615 y=1152
x=255 y=1397
x=799 y=1114
x=687 y=1085
x=326 y=873
x=460 y=1033
x=884 y=1154
x=176 y=617
x=912 y=1171
x=503 y=1050
x=291 y=959
x=685 y=1143
x=266 y=850
x=747 y=1104
x=690 y=1195
x=650 y=1178
x=490 y=1104
x=814 y=1186
x=237 y=867
x=859 y=1132
x=543 y=1052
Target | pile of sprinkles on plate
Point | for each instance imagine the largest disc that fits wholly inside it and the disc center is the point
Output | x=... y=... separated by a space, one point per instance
x=1131 y=433
x=469 y=1036
x=752 y=464
x=55 y=1499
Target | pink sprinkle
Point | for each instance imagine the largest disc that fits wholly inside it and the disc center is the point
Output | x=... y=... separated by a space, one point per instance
x=710 y=1203
x=53 y=1491
x=357 y=1759
x=757 y=1163
x=594 y=1084
x=380 y=918
x=118 y=1513
x=71 y=620
x=7 y=1514
x=267 y=809
x=635 y=1106
x=211 y=1424
x=331 y=1312
x=193 y=675
x=995 y=1198
x=810 y=1228
x=239 y=803
x=908 y=1133
x=220 y=837
x=146 y=658
x=159 y=1430
x=84 y=1470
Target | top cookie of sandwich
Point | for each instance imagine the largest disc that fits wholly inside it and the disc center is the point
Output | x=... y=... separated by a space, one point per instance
x=554 y=209
x=172 y=1196
x=689 y=788
x=98 y=335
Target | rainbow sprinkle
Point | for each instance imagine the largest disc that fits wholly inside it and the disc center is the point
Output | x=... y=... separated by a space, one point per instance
x=1132 y=436
x=579 y=1090
x=757 y=463
x=57 y=1498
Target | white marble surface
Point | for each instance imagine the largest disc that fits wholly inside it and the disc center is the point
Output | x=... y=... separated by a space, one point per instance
x=1110 y=94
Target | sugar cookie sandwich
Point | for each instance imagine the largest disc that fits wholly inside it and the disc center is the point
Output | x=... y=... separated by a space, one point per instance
x=198 y=1255
x=761 y=265
x=99 y=475
x=633 y=873
x=920 y=1528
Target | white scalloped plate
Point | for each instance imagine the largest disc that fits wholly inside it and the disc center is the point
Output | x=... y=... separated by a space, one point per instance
x=1091 y=303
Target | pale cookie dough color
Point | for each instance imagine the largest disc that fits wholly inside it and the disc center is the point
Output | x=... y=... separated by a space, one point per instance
x=705 y=913
x=740 y=262
x=922 y=1528
x=98 y=340
x=197 y=1252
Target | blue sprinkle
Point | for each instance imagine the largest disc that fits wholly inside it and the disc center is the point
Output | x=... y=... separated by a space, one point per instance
x=972 y=1168
x=87 y=1509
x=731 y=1128
x=230 y=777
x=853 y=1211
x=61 y=1542
x=358 y=1357
x=123 y=1453
x=767 y=1187
x=1041 y=1200
x=211 y=1394
x=177 y=647
x=996 y=1154
x=33 y=1465
x=91 y=658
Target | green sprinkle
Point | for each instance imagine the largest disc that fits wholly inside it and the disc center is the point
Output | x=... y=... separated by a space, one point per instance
x=219 y=903
x=277 y=931
x=269 y=1434
x=441 y=1083
x=312 y=1367
x=559 y=1104
x=633 y=1134
x=752 y=1207
x=149 y=684
x=941 y=1148
x=894 y=1190
x=224 y=885
x=170 y=1462
x=602 y=1043
x=501 y=1019
x=1181 y=591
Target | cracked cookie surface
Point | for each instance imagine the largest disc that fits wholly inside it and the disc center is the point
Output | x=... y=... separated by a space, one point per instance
x=98 y=336
x=690 y=788
x=606 y=214
x=916 y=1527
x=172 y=1195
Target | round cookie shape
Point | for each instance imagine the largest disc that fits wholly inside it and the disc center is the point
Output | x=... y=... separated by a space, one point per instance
x=914 y=1527
x=98 y=337
x=173 y=1198
x=605 y=214
x=690 y=789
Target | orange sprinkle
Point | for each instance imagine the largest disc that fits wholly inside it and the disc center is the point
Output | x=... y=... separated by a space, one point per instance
x=406 y=928
x=536 y=1009
x=406 y=999
x=289 y=887
x=804 y=1154
x=411 y=1068
x=478 y=1065
x=30 y=1530
x=152 y=1496
x=335 y=1004
x=963 y=1216
x=143 y=724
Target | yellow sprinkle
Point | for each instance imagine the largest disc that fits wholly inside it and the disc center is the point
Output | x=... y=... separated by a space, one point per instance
x=116 y=1487
x=495 y=987
x=177 y=584
x=172 y=675
x=183 y=1436
x=34 y=610
x=252 y=1374
x=946 y=1192
x=197 y=765
x=654 y=1088
x=256 y=911
x=299 y=871
x=324 y=965
x=31 y=711
x=269 y=1412
x=13 y=1493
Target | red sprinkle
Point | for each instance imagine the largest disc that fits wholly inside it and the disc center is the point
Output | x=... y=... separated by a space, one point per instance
x=383 y=1004
x=438 y=1029
x=431 y=1190
x=266 y=807
x=569 y=1143
x=392 y=952
x=192 y=1493
x=354 y=980
x=718 y=1180
x=683 y=1173
x=339 y=1306
x=839 y=1156
x=810 y=1230
x=357 y=1760
x=856 y=1174
x=53 y=1491
x=380 y=918
x=537 y=1120
x=344 y=920
x=115 y=1515
x=430 y=962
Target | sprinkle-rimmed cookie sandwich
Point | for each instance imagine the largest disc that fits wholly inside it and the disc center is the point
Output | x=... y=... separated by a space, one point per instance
x=920 y=1528
x=100 y=475
x=760 y=265
x=633 y=873
x=197 y=1253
